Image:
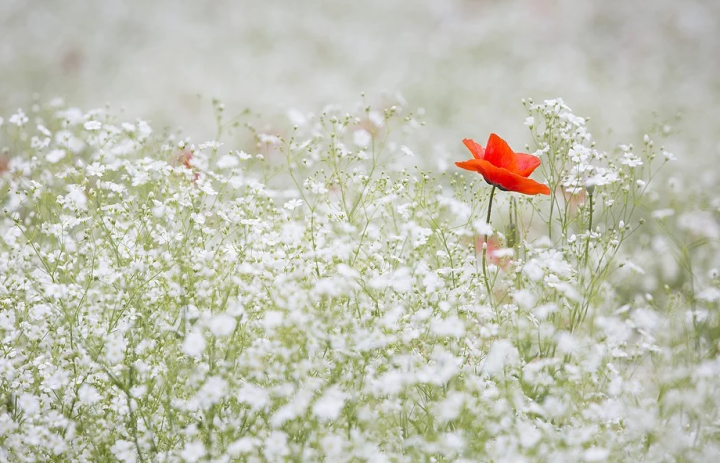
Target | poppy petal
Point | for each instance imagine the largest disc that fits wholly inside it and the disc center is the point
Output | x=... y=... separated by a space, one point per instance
x=499 y=154
x=527 y=186
x=476 y=165
x=503 y=178
x=527 y=163
x=477 y=151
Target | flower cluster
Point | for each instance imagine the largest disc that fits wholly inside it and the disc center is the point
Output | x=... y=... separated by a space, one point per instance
x=305 y=293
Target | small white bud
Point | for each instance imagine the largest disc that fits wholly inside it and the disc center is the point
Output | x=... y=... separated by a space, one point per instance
x=590 y=186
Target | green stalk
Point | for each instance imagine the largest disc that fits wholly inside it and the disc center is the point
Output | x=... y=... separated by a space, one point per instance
x=587 y=241
x=485 y=245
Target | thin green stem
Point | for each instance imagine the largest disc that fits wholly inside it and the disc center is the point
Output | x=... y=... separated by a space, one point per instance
x=587 y=241
x=485 y=245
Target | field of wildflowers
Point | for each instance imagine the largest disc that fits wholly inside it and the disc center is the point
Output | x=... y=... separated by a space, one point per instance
x=351 y=283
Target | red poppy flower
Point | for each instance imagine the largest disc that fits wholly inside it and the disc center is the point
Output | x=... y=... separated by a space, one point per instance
x=500 y=166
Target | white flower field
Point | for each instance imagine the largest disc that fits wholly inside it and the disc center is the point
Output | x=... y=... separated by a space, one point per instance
x=286 y=269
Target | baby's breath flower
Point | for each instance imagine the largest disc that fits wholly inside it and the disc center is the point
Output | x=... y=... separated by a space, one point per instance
x=160 y=300
x=193 y=451
x=19 y=118
x=194 y=344
x=93 y=125
x=293 y=203
x=55 y=156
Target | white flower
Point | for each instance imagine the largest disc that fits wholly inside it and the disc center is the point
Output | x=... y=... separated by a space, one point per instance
x=566 y=343
x=451 y=326
x=12 y=235
x=55 y=155
x=483 y=228
x=93 y=125
x=198 y=218
x=595 y=454
x=293 y=203
x=630 y=160
x=66 y=139
x=115 y=348
x=450 y=408
x=316 y=187
x=212 y=392
x=709 y=295
x=333 y=446
x=269 y=139
x=124 y=451
x=88 y=394
x=194 y=344
x=272 y=319
x=660 y=214
x=432 y=282
x=502 y=354
x=328 y=406
x=276 y=448
x=29 y=404
x=193 y=451
x=41 y=128
x=242 y=446
x=213 y=145
x=73 y=116
x=144 y=129
x=454 y=442
x=524 y=298
x=296 y=407
x=76 y=197
x=529 y=434
x=420 y=234
x=253 y=396
x=533 y=270
x=227 y=161
x=19 y=118
x=222 y=325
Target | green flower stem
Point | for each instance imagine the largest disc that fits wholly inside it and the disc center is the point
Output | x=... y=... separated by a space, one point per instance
x=587 y=241
x=485 y=245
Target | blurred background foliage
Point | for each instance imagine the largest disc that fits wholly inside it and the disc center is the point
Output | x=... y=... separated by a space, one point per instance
x=626 y=64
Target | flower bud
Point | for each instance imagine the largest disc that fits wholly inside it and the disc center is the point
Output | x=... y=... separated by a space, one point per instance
x=590 y=186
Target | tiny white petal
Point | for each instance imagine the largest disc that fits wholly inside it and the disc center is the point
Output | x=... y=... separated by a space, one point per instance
x=55 y=156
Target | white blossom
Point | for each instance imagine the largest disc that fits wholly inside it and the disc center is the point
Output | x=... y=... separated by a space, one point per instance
x=193 y=451
x=328 y=406
x=194 y=344
x=93 y=125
